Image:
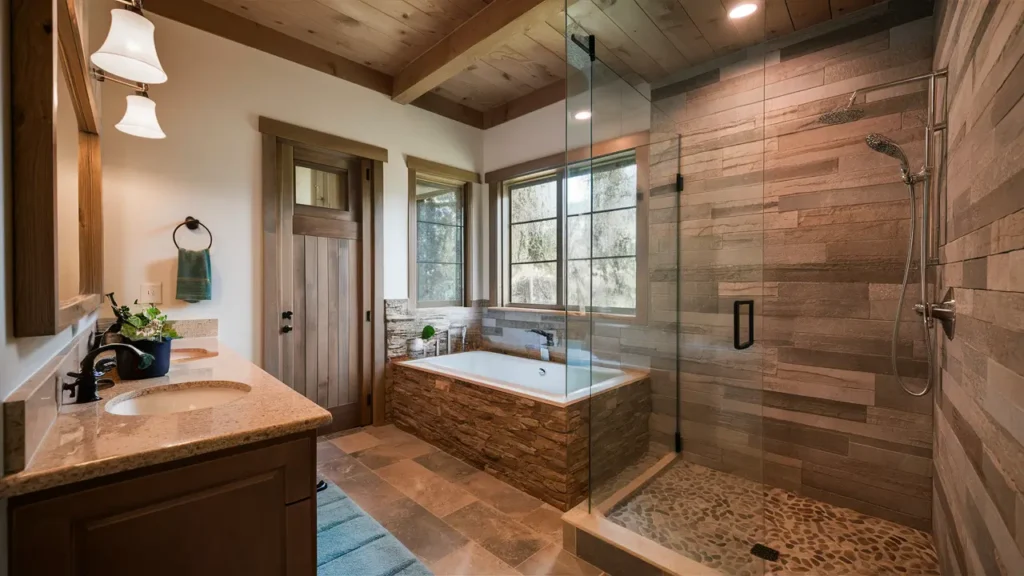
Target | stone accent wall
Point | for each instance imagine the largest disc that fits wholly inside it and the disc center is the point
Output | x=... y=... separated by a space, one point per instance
x=402 y=325
x=811 y=225
x=539 y=448
x=979 y=416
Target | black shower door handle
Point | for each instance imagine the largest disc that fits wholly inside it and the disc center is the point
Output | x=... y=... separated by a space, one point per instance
x=736 y=324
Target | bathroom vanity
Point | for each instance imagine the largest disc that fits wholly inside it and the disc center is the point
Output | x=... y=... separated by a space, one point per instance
x=228 y=488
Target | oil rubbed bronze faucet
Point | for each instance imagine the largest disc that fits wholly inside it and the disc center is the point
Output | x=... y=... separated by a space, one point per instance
x=83 y=389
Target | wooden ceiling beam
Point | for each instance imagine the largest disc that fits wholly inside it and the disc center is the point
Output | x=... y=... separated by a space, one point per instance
x=480 y=35
x=220 y=22
x=230 y=26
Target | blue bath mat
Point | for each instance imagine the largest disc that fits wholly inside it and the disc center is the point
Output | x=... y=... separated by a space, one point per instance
x=349 y=542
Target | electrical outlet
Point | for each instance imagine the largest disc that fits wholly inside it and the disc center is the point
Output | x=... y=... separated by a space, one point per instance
x=151 y=293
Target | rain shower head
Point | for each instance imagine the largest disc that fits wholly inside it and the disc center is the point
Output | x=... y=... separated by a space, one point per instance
x=841 y=116
x=882 y=144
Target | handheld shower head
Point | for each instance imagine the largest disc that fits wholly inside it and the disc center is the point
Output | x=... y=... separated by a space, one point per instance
x=882 y=144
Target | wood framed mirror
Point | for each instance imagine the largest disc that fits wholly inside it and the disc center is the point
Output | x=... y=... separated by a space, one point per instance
x=56 y=170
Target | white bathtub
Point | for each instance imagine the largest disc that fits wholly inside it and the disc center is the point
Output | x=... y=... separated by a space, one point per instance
x=544 y=381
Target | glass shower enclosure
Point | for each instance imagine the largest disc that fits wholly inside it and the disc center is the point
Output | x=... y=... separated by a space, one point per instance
x=664 y=279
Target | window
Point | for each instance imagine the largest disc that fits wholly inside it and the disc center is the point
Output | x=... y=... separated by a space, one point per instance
x=602 y=234
x=596 y=271
x=439 y=209
x=440 y=243
x=534 y=250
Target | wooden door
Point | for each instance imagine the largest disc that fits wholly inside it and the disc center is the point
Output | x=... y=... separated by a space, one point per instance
x=322 y=288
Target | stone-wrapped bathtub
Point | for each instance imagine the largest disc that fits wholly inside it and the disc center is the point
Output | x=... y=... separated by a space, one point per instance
x=499 y=413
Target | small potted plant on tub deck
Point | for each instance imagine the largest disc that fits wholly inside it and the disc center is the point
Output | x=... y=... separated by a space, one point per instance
x=150 y=332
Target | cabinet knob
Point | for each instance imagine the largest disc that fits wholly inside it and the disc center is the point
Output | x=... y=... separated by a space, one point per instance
x=286 y=329
x=287 y=315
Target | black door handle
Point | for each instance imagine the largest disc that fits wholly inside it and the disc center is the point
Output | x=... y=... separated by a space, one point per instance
x=736 y=324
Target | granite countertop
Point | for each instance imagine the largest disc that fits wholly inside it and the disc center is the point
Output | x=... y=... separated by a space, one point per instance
x=88 y=442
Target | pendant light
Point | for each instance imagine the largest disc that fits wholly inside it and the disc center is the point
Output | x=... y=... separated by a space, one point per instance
x=129 y=50
x=140 y=118
x=128 y=57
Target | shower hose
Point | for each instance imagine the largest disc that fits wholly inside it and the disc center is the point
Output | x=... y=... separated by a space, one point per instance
x=899 y=307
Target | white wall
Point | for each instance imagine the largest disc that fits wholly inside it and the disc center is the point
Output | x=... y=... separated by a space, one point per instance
x=209 y=167
x=618 y=109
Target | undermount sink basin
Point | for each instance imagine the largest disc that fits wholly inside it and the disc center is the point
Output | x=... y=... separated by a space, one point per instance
x=172 y=398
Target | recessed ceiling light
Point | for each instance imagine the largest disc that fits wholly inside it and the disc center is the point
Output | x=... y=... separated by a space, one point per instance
x=742 y=10
x=583 y=115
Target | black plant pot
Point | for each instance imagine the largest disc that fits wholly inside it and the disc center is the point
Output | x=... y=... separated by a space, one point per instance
x=128 y=362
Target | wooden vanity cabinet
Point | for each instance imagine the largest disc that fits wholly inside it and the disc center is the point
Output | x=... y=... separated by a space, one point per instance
x=248 y=511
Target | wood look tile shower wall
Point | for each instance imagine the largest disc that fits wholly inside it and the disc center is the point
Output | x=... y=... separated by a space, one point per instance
x=812 y=225
x=979 y=417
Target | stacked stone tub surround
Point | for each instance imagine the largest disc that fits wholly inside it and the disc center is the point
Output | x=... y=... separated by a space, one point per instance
x=544 y=447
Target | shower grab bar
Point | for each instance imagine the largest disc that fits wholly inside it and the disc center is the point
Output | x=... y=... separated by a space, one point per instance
x=736 y=324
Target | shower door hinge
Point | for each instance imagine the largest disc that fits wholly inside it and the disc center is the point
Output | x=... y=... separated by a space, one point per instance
x=590 y=46
x=679 y=182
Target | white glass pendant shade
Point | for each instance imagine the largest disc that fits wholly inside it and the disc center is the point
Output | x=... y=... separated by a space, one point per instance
x=129 y=50
x=140 y=119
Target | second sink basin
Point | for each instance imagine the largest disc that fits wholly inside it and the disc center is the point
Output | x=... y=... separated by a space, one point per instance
x=173 y=398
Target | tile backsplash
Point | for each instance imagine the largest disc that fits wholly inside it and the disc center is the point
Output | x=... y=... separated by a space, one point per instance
x=402 y=325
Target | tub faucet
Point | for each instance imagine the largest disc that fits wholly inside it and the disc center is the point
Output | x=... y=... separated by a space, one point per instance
x=549 y=342
x=83 y=389
x=548 y=336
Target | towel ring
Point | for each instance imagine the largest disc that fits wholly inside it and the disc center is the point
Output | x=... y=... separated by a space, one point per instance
x=192 y=224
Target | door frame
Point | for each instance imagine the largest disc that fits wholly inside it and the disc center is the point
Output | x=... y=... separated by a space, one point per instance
x=278 y=141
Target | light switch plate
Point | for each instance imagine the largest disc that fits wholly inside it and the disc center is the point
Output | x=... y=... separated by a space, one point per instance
x=151 y=293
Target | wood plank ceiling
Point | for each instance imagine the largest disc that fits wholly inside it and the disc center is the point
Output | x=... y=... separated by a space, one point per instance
x=640 y=40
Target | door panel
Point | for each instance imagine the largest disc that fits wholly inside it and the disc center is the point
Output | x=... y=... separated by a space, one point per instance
x=326 y=324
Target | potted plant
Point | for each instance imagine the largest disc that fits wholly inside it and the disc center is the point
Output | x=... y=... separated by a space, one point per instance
x=150 y=332
x=416 y=344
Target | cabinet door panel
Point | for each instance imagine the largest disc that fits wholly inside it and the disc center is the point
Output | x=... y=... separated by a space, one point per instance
x=236 y=528
x=227 y=515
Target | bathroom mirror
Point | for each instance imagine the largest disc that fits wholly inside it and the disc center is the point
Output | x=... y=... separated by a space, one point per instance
x=57 y=183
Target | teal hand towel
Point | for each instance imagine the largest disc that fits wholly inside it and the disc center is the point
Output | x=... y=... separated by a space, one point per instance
x=193 y=275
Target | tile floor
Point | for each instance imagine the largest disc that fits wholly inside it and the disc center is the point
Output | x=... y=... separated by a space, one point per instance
x=715 y=518
x=458 y=520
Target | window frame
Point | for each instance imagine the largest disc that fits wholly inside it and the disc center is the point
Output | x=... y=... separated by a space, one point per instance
x=499 y=182
x=420 y=169
x=557 y=177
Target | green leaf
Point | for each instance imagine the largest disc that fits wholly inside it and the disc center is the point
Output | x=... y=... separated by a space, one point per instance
x=137 y=321
x=428 y=332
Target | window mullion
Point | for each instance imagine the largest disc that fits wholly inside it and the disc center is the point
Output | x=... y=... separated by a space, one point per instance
x=560 y=298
